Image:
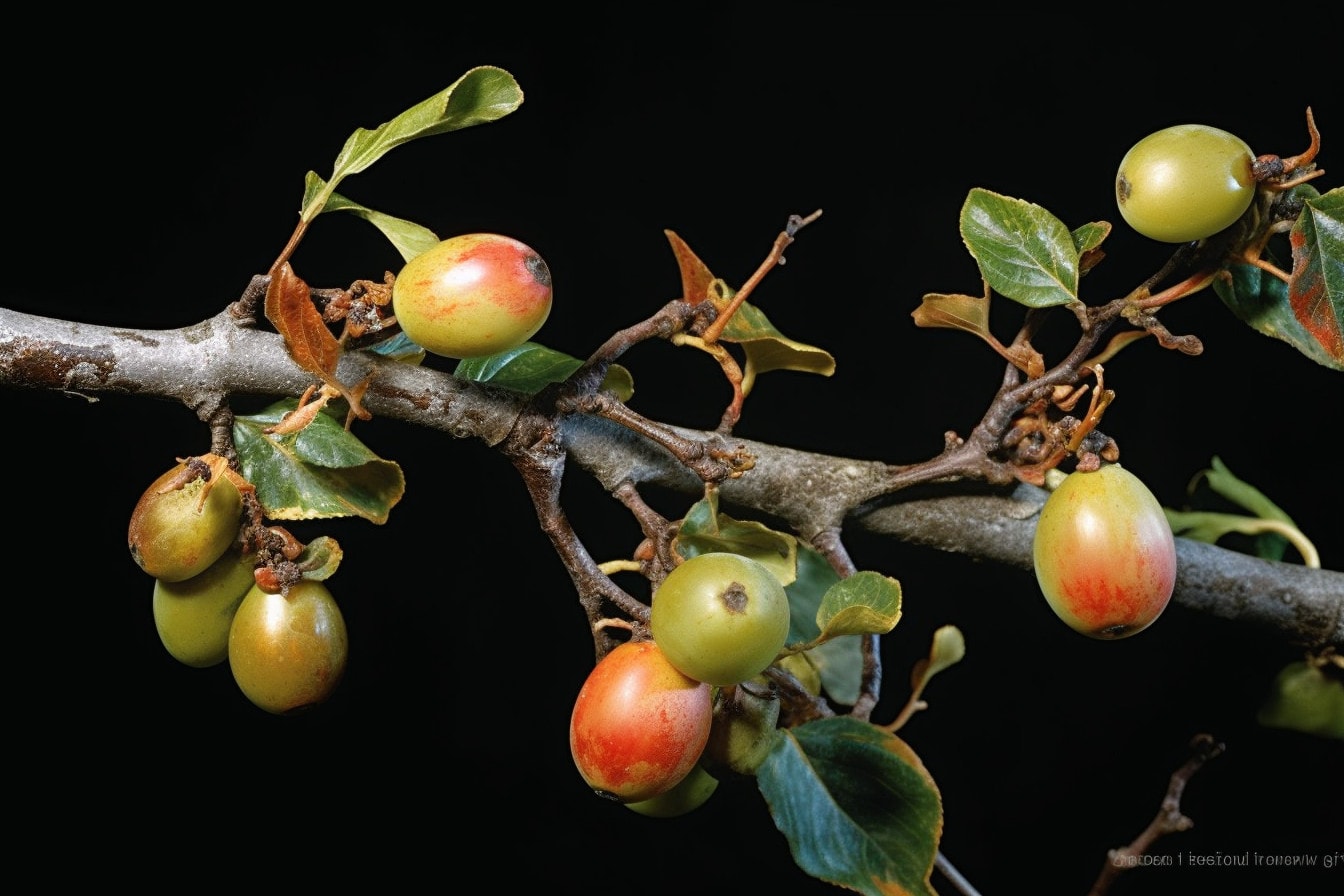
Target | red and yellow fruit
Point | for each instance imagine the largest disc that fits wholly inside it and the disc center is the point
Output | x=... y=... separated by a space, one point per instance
x=1104 y=553
x=473 y=295
x=638 y=726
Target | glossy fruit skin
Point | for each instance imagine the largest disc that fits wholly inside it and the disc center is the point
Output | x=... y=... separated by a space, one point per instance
x=720 y=618
x=689 y=794
x=172 y=538
x=288 y=651
x=1185 y=182
x=638 y=725
x=473 y=295
x=1104 y=553
x=193 y=616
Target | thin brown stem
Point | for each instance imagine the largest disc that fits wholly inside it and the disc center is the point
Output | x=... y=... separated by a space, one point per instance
x=1169 y=818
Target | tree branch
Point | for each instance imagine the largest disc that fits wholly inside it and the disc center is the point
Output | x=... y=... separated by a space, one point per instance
x=814 y=493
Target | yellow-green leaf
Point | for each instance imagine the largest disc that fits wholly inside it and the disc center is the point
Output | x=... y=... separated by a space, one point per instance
x=767 y=349
x=482 y=95
x=866 y=603
x=409 y=238
x=705 y=530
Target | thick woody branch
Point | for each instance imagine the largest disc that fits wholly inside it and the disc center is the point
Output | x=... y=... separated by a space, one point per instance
x=814 y=493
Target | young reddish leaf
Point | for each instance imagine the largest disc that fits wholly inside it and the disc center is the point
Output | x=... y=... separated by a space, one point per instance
x=1316 y=288
x=695 y=277
x=290 y=308
x=1261 y=300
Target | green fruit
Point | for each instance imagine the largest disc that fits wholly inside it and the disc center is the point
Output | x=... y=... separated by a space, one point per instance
x=176 y=533
x=744 y=729
x=1104 y=553
x=720 y=618
x=288 y=651
x=1305 y=699
x=1185 y=183
x=473 y=295
x=193 y=616
x=690 y=793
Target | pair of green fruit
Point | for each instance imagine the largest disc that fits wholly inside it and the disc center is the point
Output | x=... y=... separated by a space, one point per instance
x=287 y=651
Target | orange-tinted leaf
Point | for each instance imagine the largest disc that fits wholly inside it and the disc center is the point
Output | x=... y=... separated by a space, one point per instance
x=695 y=277
x=956 y=311
x=1118 y=341
x=1316 y=289
x=290 y=309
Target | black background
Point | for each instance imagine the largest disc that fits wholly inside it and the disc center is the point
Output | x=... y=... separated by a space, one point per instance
x=151 y=176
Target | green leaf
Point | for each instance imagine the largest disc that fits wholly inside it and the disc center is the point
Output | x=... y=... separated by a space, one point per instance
x=531 y=367
x=856 y=805
x=1090 y=236
x=320 y=558
x=1223 y=482
x=483 y=94
x=865 y=603
x=1274 y=529
x=705 y=530
x=399 y=347
x=1307 y=699
x=767 y=349
x=1024 y=252
x=322 y=471
x=408 y=238
x=840 y=660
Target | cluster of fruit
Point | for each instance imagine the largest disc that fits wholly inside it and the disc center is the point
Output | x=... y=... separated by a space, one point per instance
x=287 y=649
x=658 y=722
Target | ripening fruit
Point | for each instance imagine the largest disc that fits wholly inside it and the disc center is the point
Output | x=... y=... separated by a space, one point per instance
x=288 y=651
x=473 y=295
x=689 y=794
x=193 y=616
x=1185 y=183
x=720 y=617
x=1104 y=553
x=638 y=725
x=177 y=533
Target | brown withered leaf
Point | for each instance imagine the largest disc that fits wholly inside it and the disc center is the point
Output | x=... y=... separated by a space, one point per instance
x=307 y=339
x=1117 y=342
x=957 y=311
x=290 y=308
x=696 y=278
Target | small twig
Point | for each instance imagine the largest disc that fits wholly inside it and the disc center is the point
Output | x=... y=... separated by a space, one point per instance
x=711 y=459
x=1169 y=818
x=774 y=259
x=954 y=877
